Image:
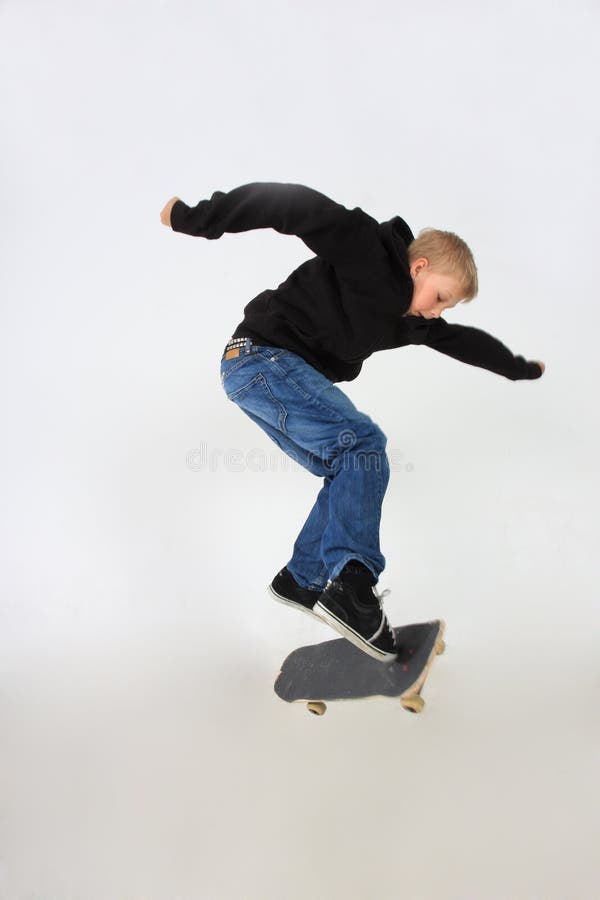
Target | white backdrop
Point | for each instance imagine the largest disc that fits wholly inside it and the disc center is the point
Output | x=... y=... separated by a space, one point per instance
x=144 y=755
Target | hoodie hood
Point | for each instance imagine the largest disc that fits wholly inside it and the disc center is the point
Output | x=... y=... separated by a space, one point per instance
x=396 y=235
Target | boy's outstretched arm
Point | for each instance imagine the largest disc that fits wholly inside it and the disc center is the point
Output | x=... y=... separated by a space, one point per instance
x=331 y=231
x=478 y=348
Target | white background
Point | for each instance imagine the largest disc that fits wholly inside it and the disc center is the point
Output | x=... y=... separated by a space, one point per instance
x=143 y=753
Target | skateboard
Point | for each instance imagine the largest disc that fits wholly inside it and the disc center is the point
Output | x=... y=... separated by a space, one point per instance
x=337 y=670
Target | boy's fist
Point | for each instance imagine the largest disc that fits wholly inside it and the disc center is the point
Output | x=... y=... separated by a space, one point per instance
x=165 y=213
x=540 y=364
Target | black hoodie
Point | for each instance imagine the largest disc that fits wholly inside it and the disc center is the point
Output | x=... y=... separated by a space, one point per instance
x=351 y=298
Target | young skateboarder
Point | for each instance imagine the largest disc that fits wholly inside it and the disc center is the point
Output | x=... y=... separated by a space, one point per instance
x=369 y=286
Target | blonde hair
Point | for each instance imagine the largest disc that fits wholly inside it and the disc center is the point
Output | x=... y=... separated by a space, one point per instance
x=447 y=255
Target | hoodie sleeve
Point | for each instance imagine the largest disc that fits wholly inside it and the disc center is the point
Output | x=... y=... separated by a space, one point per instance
x=331 y=231
x=476 y=347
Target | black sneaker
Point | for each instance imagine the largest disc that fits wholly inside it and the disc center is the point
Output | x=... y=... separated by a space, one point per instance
x=352 y=606
x=286 y=589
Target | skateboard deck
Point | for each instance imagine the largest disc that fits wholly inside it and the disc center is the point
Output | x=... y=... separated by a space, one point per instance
x=337 y=670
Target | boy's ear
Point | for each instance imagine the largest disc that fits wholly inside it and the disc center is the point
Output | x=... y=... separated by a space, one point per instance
x=418 y=265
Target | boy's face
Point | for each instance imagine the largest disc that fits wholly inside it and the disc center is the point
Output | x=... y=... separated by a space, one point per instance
x=432 y=292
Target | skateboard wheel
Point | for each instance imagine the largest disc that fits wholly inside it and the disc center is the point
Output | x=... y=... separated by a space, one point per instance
x=317 y=707
x=413 y=704
x=440 y=646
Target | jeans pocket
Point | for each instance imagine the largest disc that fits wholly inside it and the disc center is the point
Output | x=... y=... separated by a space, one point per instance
x=258 y=401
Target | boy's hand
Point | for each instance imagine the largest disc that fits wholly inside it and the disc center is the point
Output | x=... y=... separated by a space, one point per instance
x=165 y=213
x=540 y=364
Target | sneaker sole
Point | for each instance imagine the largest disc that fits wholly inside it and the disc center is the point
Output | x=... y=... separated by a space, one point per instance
x=353 y=636
x=286 y=602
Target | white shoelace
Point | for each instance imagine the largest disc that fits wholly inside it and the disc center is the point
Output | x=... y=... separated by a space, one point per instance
x=380 y=597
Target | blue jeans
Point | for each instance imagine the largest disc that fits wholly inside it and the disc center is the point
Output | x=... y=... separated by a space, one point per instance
x=317 y=425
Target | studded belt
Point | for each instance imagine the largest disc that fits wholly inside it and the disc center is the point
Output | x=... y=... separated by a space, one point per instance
x=236 y=346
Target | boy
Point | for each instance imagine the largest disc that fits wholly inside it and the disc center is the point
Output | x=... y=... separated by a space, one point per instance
x=369 y=287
